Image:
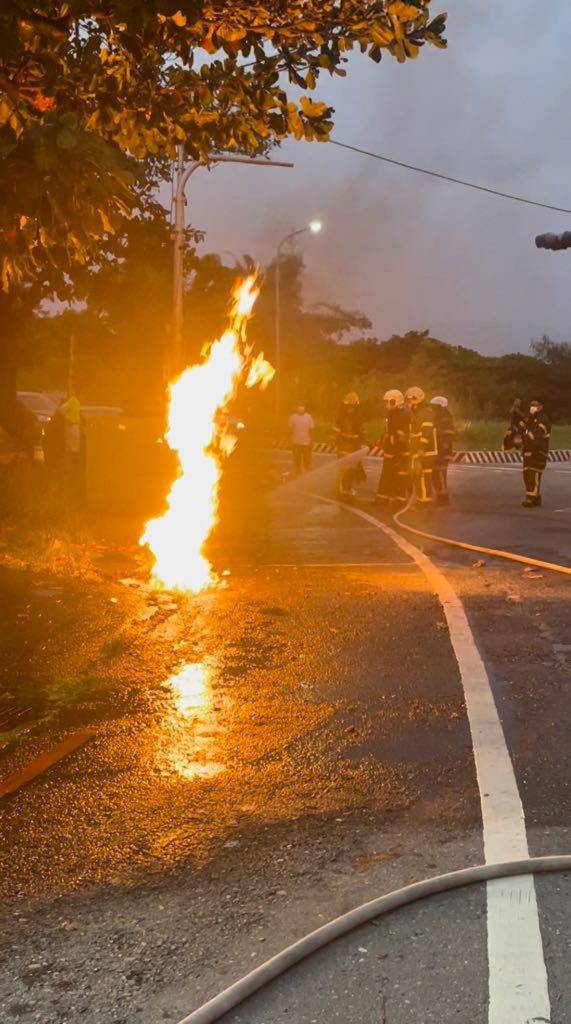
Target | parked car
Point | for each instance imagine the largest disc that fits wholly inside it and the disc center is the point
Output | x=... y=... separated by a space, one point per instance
x=96 y=411
x=41 y=406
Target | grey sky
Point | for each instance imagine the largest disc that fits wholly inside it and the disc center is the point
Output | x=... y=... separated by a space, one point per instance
x=409 y=251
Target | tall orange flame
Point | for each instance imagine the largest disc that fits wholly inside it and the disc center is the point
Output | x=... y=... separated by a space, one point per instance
x=197 y=399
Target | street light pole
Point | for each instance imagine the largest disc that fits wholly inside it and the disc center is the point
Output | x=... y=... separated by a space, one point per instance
x=315 y=227
x=182 y=176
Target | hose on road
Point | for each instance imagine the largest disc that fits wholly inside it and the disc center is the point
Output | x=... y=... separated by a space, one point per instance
x=492 y=552
x=479 y=549
x=270 y=970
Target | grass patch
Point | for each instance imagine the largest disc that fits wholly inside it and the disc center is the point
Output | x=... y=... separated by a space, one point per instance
x=70 y=693
x=10 y=738
x=471 y=435
x=487 y=435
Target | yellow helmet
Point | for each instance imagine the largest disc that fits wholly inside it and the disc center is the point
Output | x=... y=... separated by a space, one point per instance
x=351 y=398
x=393 y=398
x=414 y=396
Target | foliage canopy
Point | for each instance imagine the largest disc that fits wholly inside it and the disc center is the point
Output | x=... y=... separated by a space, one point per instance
x=87 y=87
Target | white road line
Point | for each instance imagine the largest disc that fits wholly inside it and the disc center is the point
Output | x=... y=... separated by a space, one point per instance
x=518 y=992
x=335 y=565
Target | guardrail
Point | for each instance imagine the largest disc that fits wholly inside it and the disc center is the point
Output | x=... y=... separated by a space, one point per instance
x=471 y=458
x=484 y=458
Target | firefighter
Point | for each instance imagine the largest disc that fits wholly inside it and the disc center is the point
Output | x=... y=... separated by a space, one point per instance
x=445 y=448
x=348 y=431
x=513 y=435
x=422 y=443
x=394 y=482
x=535 y=445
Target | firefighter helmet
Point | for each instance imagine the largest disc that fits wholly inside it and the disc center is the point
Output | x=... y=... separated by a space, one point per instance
x=351 y=398
x=441 y=401
x=393 y=398
x=414 y=396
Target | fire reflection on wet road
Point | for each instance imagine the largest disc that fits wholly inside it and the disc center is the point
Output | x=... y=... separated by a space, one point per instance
x=187 y=739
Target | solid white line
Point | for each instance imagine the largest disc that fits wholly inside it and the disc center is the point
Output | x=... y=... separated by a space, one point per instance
x=518 y=992
x=335 y=565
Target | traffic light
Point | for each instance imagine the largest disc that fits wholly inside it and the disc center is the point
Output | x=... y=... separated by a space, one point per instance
x=554 y=241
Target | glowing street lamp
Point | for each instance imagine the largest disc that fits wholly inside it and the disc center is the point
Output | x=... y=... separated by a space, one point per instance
x=314 y=227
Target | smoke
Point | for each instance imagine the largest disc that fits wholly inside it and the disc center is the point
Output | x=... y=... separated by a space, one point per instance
x=412 y=252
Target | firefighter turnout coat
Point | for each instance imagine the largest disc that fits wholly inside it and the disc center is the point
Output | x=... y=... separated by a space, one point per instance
x=423 y=448
x=395 y=475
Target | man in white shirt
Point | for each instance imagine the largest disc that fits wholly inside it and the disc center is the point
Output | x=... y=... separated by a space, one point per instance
x=301 y=426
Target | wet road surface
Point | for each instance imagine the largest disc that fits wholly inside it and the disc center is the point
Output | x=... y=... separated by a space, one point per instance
x=271 y=754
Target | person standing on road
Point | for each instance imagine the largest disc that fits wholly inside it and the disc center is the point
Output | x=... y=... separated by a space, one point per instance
x=422 y=443
x=74 y=439
x=55 y=446
x=64 y=450
x=444 y=425
x=513 y=435
x=394 y=482
x=301 y=428
x=348 y=431
x=535 y=445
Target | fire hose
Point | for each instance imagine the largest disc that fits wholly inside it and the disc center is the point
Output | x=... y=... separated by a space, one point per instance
x=270 y=970
x=537 y=563
x=492 y=552
x=251 y=983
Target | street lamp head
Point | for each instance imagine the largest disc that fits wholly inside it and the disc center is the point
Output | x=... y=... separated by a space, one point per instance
x=315 y=226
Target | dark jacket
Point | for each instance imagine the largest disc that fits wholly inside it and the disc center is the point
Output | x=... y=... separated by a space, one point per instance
x=535 y=440
x=423 y=430
x=397 y=433
x=348 y=428
x=444 y=432
x=513 y=435
x=517 y=419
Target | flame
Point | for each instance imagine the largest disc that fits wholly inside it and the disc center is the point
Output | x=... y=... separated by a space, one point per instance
x=196 y=432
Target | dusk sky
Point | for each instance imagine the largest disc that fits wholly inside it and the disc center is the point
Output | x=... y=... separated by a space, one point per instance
x=409 y=251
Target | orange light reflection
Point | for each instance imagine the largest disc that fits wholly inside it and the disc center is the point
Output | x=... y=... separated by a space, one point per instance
x=188 y=733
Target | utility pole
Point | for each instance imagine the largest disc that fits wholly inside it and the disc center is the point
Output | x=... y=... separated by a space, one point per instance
x=71 y=366
x=177 y=354
x=315 y=227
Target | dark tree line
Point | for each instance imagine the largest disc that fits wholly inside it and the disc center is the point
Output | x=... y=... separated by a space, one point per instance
x=121 y=334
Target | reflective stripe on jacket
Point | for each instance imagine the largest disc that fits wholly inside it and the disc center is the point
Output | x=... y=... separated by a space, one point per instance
x=423 y=431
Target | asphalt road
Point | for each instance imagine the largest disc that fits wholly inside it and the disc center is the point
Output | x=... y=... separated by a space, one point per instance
x=269 y=755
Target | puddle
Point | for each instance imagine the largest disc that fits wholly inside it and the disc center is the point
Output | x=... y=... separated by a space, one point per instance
x=189 y=733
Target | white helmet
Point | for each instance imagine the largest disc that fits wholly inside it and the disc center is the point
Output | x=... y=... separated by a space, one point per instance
x=393 y=398
x=414 y=396
x=441 y=401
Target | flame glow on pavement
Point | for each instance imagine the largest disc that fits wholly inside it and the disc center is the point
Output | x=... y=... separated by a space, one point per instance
x=189 y=687
x=188 y=734
x=196 y=432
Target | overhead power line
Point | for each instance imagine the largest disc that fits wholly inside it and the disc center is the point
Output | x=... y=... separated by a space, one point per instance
x=447 y=177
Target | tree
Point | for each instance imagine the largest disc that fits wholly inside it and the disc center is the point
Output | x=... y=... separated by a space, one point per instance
x=311 y=336
x=554 y=353
x=120 y=327
x=88 y=86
